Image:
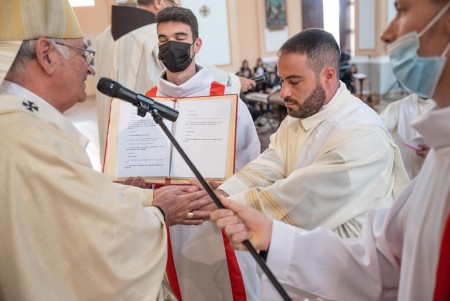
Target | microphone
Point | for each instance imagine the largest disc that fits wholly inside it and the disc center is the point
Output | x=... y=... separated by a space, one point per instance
x=113 y=89
x=261 y=79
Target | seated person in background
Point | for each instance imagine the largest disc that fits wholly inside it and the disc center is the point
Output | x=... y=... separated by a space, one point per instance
x=199 y=255
x=397 y=117
x=245 y=70
x=345 y=57
x=344 y=68
x=272 y=83
x=331 y=160
x=347 y=77
x=258 y=70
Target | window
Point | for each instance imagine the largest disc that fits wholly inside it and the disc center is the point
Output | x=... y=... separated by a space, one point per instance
x=331 y=18
x=335 y=16
x=347 y=25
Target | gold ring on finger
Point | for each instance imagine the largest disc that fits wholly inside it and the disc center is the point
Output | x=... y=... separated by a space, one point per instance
x=190 y=215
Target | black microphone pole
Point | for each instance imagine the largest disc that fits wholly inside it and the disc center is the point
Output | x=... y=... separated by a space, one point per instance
x=159 y=120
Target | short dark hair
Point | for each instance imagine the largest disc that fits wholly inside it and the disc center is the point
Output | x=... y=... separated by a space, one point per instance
x=181 y=15
x=319 y=46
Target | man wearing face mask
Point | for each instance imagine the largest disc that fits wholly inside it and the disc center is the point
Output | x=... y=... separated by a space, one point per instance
x=205 y=270
x=404 y=253
x=128 y=53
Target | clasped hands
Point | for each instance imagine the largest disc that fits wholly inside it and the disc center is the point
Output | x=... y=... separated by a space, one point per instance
x=191 y=205
x=239 y=222
x=185 y=204
x=182 y=204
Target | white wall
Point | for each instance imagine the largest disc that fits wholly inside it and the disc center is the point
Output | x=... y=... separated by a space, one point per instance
x=379 y=73
x=213 y=30
x=366 y=21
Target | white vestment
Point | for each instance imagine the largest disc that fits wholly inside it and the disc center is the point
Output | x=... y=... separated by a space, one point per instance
x=397 y=117
x=329 y=169
x=397 y=256
x=198 y=251
x=67 y=232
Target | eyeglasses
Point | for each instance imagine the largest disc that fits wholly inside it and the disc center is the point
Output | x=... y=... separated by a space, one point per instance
x=88 y=58
x=173 y=2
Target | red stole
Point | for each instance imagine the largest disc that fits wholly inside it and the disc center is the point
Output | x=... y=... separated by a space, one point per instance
x=442 y=288
x=237 y=283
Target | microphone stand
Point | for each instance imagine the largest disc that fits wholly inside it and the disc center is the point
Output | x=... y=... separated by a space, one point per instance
x=142 y=108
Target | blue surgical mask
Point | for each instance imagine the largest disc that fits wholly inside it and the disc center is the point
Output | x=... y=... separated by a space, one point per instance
x=418 y=74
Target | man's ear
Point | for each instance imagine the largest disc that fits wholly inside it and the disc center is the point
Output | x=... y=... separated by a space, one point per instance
x=329 y=74
x=159 y=5
x=46 y=55
x=198 y=45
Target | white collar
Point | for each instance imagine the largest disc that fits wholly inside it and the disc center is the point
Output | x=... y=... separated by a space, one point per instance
x=336 y=95
x=202 y=79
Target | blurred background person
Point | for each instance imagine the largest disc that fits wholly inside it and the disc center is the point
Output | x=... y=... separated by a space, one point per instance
x=398 y=117
x=245 y=70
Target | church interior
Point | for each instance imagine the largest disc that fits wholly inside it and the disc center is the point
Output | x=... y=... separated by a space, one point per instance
x=250 y=33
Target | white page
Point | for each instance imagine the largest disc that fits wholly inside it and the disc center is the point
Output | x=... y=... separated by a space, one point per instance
x=142 y=147
x=202 y=130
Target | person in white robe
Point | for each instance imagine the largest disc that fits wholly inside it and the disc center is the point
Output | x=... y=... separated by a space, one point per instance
x=403 y=253
x=200 y=259
x=248 y=145
x=332 y=160
x=128 y=53
x=67 y=231
x=397 y=117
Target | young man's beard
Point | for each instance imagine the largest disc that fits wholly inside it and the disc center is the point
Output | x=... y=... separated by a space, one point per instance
x=312 y=104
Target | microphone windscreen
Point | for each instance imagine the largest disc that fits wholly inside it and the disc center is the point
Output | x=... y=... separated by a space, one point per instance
x=108 y=87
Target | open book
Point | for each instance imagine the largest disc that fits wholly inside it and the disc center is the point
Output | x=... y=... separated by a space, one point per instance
x=205 y=130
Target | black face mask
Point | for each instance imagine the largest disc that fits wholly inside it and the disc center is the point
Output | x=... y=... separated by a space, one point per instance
x=175 y=55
